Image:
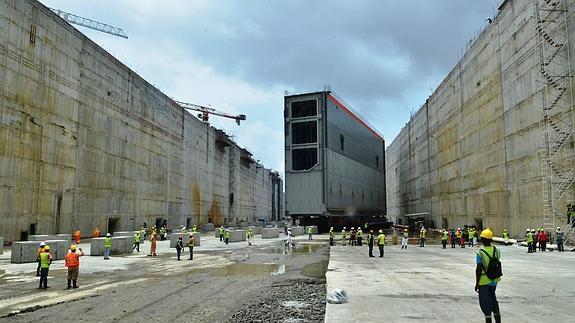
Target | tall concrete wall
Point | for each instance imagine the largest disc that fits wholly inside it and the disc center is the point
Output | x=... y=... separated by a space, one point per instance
x=84 y=140
x=472 y=153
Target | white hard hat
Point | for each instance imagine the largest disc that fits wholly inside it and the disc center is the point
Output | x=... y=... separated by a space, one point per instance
x=558 y=228
x=458 y=228
x=42 y=244
x=107 y=234
x=344 y=228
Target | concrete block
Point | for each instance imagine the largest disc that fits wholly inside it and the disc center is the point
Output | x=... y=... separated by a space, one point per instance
x=45 y=237
x=208 y=227
x=255 y=229
x=124 y=233
x=185 y=236
x=120 y=246
x=270 y=233
x=26 y=251
x=298 y=231
x=237 y=235
x=1 y=245
x=313 y=229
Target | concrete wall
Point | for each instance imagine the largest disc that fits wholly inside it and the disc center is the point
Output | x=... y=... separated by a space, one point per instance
x=85 y=141
x=1 y=245
x=471 y=154
x=270 y=233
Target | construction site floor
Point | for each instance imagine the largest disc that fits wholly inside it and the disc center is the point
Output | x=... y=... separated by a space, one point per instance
x=432 y=284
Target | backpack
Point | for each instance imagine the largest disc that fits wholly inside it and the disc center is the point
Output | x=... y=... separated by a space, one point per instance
x=493 y=270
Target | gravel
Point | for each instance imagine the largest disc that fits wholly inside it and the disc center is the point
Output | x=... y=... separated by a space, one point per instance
x=299 y=301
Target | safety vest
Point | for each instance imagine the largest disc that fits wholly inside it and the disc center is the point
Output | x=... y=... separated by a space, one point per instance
x=309 y=230
x=107 y=242
x=484 y=280
x=458 y=234
x=444 y=236
x=505 y=235
x=343 y=234
x=530 y=237
x=179 y=244
x=359 y=233
x=331 y=234
x=226 y=234
x=381 y=239
x=422 y=234
x=72 y=259
x=405 y=235
x=45 y=258
x=249 y=234
x=137 y=237
x=222 y=231
x=194 y=229
x=471 y=234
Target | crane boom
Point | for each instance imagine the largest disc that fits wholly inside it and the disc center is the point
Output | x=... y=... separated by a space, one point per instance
x=89 y=23
x=206 y=111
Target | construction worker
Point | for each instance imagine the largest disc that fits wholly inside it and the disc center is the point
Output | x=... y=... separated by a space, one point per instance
x=381 y=242
x=404 y=239
x=471 y=234
x=40 y=250
x=183 y=229
x=249 y=236
x=359 y=237
x=452 y=237
x=309 y=233
x=352 y=238
x=505 y=237
x=484 y=285
x=458 y=236
x=370 y=242
x=343 y=236
x=365 y=226
x=137 y=238
x=422 y=234
x=331 y=236
x=45 y=262
x=107 y=246
x=529 y=239
x=222 y=232
x=72 y=261
x=179 y=247
x=194 y=229
x=535 y=234
x=153 y=242
x=163 y=232
x=559 y=239
x=444 y=236
x=191 y=242
x=227 y=236
x=77 y=236
x=543 y=239
x=96 y=233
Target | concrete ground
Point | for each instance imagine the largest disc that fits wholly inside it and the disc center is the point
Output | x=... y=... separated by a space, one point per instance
x=434 y=285
x=218 y=285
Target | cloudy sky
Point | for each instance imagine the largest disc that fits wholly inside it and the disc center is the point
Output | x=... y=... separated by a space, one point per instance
x=382 y=57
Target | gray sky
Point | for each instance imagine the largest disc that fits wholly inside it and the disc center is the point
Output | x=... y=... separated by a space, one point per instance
x=382 y=57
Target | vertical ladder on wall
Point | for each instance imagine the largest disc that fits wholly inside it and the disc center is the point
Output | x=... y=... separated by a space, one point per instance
x=557 y=170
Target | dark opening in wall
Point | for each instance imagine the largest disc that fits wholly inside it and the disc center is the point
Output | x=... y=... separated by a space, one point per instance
x=304 y=132
x=302 y=109
x=377 y=161
x=303 y=159
x=342 y=142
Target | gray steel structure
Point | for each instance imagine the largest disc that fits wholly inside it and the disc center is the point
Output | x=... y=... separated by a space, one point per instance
x=335 y=162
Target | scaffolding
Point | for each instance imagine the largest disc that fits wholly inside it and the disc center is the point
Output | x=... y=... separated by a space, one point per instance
x=557 y=152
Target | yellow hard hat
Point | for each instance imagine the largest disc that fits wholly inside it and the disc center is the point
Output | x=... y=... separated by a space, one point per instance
x=380 y=231
x=487 y=234
x=73 y=247
x=47 y=248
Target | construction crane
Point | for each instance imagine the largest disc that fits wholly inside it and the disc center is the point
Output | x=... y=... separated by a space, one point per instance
x=206 y=111
x=89 y=23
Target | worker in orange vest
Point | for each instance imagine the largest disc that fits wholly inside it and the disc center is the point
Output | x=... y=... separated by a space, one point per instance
x=73 y=263
x=77 y=236
x=153 y=241
x=96 y=233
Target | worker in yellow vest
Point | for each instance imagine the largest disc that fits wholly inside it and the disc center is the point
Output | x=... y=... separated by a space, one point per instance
x=506 y=237
x=381 y=242
x=422 y=234
x=107 y=246
x=359 y=237
x=331 y=236
x=45 y=262
x=343 y=236
x=487 y=275
x=222 y=232
x=227 y=236
x=404 y=239
x=444 y=236
x=309 y=233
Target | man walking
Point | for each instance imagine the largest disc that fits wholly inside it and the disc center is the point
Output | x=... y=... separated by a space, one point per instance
x=444 y=236
x=309 y=233
x=222 y=232
x=381 y=242
x=72 y=261
x=250 y=236
x=137 y=238
x=404 y=239
x=191 y=242
x=370 y=241
x=487 y=277
x=45 y=262
x=107 y=246
x=227 y=236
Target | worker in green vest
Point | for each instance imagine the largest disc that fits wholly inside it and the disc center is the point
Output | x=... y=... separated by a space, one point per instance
x=331 y=236
x=506 y=237
x=227 y=236
x=107 y=246
x=194 y=229
x=137 y=238
x=487 y=277
x=471 y=237
x=343 y=236
x=309 y=233
x=444 y=236
x=359 y=236
x=250 y=236
x=222 y=231
x=45 y=262
x=529 y=236
x=381 y=242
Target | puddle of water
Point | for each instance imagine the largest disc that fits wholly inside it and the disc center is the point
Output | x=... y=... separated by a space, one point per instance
x=300 y=249
x=241 y=269
x=315 y=270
